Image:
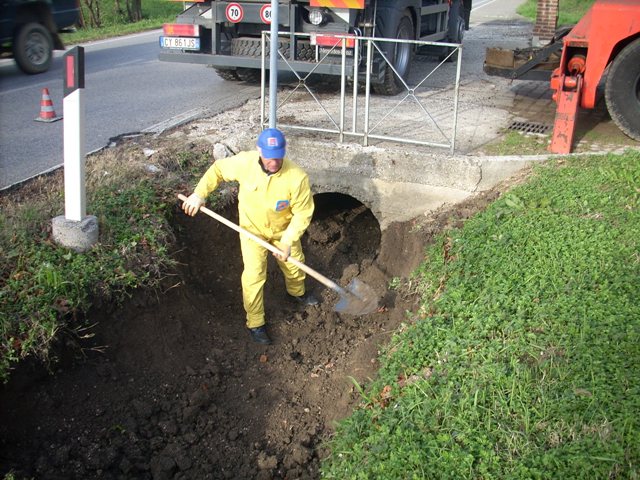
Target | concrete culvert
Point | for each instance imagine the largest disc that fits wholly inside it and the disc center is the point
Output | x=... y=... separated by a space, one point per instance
x=178 y=390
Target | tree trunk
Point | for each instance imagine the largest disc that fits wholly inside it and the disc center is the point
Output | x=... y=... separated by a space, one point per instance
x=93 y=7
x=138 y=4
x=117 y=7
x=134 y=10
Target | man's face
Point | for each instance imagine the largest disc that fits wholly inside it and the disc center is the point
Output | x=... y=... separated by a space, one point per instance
x=271 y=165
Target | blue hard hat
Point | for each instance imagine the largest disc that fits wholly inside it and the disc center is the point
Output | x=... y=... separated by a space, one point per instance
x=272 y=143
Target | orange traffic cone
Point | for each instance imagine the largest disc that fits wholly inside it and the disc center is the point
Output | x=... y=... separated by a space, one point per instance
x=47 y=113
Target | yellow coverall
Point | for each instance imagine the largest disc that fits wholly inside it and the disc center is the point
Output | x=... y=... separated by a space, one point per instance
x=276 y=207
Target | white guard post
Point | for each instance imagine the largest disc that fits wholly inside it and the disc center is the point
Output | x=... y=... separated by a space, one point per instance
x=75 y=229
x=74 y=157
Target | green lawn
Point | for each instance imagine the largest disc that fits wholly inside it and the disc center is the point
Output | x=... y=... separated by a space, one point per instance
x=570 y=12
x=114 y=23
x=524 y=359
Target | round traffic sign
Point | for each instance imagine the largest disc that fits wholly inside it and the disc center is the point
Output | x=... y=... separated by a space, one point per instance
x=234 y=12
x=265 y=13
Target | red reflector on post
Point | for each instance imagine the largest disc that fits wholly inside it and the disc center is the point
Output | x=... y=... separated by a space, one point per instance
x=180 y=30
x=71 y=74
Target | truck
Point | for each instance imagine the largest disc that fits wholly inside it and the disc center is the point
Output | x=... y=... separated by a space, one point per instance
x=29 y=30
x=227 y=35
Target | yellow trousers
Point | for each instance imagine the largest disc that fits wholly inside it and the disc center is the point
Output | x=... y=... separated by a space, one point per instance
x=254 y=257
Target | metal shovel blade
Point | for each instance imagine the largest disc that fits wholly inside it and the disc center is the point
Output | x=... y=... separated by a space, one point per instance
x=357 y=299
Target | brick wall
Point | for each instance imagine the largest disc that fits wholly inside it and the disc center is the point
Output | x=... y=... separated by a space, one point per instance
x=546 y=20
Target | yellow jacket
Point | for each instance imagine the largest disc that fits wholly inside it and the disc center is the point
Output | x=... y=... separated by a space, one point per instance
x=277 y=206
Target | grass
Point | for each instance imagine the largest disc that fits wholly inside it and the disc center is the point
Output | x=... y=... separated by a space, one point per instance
x=46 y=289
x=570 y=11
x=515 y=143
x=154 y=13
x=522 y=361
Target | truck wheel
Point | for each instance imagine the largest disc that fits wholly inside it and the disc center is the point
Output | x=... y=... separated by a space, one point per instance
x=622 y=90
x=252 y=47
x=400 y=56
x=456 y=30
x=250 y=75
x=467 y=13
x=33 y=48
x=229 y=74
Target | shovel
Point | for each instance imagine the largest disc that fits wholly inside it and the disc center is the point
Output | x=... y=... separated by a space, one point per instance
x=357 y=299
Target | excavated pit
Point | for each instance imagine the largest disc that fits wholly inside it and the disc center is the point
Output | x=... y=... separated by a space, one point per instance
x=171 y=387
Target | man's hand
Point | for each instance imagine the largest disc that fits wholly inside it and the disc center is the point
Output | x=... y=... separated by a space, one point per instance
x=285 y=252
x=192 y=205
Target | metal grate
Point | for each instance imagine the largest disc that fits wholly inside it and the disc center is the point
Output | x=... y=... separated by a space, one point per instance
x=530 y=127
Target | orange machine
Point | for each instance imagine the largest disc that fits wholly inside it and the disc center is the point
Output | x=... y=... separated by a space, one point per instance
x=607 y=37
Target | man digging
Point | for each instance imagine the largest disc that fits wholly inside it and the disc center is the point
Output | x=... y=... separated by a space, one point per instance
x=274 y=203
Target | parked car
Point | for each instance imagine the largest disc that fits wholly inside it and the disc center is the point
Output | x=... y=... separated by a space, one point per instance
x=29 y=30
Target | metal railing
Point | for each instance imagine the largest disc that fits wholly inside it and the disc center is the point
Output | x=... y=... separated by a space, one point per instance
x=385 y=118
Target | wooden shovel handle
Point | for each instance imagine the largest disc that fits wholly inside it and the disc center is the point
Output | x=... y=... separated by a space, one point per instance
x=317 y=275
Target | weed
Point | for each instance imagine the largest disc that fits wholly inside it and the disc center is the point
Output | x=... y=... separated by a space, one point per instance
x=46 y=289
x=525 y=363
x=113 y=23
x=515 y=143
x=395 y=283
x=570 y=12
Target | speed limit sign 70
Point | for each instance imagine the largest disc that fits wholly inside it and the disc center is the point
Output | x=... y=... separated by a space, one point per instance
x=234 y=12
x=265 y=13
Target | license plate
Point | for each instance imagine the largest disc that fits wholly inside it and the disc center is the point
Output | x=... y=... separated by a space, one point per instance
x=335 y=51
x=182 y=43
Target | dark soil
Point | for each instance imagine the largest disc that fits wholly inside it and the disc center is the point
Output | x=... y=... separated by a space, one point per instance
x=171 y=387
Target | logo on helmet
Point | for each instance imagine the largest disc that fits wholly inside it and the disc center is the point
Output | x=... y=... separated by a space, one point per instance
x=272 y=142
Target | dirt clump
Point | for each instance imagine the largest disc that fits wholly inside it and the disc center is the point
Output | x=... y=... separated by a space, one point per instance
x=171 y=386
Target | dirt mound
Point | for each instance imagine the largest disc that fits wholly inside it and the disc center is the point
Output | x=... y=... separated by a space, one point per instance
x=171 y=387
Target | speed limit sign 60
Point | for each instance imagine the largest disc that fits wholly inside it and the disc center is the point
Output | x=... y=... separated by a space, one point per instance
x=234 y=12
x=265 y=14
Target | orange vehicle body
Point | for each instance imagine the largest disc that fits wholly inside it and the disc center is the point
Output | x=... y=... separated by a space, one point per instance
x=588 y=49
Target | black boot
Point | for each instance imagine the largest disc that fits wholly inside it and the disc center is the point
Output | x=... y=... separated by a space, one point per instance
x=308 y=299
x=259 y=335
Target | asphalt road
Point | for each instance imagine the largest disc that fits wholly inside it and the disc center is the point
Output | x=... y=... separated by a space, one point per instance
x=127 y=89
x=494 y=10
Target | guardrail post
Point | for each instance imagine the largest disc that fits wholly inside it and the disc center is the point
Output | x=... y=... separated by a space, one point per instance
x=356 y=49
x=343 y=81
x=74 y=229
x=368 y=91
x=455 y=100
x=263 y=78
x=273 y=65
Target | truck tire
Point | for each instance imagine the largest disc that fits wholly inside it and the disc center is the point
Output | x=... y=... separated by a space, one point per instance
x=33 y=48
x=456 y=29
x=251 y=47
x=249 y=75
x=622 y=90
x=467 y=13
x=228 y=74
x=400 y=55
